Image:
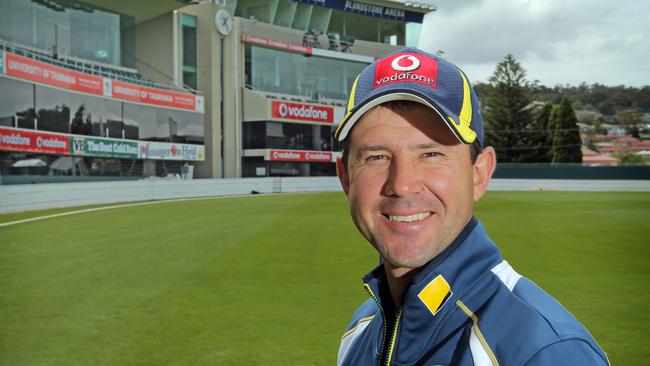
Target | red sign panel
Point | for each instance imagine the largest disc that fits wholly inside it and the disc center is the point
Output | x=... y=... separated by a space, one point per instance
x=406 y=66
x=143 y=94
x=41 y=72
x=286 y=46
x=300 y=156
x=302 y=112
x=33 y=141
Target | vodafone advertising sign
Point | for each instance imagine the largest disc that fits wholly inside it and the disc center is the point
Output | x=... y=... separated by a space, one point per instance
x=285 y=46
x=302 y=112
x=300 y=156
x=32 y=141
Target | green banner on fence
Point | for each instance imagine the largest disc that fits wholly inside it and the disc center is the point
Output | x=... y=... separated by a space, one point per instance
x=92 y=146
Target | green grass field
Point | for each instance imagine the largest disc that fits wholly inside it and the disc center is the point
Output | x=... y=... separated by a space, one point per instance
x=273 y=280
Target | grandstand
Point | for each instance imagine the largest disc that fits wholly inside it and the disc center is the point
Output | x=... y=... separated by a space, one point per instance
x=77 y=105
x=113 y=72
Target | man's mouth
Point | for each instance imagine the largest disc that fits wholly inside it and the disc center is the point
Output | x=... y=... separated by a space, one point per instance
x=409 y=218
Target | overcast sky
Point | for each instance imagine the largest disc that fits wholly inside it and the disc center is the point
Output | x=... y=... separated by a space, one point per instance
x=557 y=41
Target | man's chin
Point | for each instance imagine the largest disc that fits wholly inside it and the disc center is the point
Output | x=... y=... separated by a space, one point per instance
x=406 y=263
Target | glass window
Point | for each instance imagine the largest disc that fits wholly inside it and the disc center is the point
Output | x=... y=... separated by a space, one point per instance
x=291 y=73
x=412 y=37
x=350 y=26
x=189 y=78
x=69 y=112
x=189 y=50
x=53 y=109
x=282 y=135
x=168 y=125
x=16 y=104
x=77 y=30
x=254 y=167
x=95 y=35
x=254 y=135
x=96 y=116
x=262 y=10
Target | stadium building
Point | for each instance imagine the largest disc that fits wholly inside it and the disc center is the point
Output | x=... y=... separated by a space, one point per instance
x=275 y=75
x=76 y=104
x=214 y=89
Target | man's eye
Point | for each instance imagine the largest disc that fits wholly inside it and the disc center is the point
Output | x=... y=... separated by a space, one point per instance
x=431 y=154
x=376 y=157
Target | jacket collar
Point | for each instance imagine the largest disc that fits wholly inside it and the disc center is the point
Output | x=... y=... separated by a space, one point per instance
x=429 y=313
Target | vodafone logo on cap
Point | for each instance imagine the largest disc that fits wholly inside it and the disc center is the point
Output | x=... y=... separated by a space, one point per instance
x=410 y=64
x=302 y=112
x=406 y=67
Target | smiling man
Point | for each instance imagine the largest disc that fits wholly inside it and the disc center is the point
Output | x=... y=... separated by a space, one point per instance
x=412 y=167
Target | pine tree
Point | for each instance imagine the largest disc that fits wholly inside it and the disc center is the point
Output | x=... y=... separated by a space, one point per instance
x=506 y=118
x=566 y=135
x=76 y=126
x=541 y=136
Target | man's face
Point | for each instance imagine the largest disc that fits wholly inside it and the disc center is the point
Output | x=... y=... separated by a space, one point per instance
x=409 y=183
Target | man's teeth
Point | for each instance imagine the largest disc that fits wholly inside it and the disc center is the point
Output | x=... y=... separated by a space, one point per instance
x=410 y=218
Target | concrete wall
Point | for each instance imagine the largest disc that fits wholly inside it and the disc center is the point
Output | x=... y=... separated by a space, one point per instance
x=154 y=48
x=18 y=198
x=209 y=55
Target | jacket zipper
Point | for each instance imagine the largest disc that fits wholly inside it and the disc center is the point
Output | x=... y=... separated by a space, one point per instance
x=394 y=335
x=393 y=338
x=381 y=310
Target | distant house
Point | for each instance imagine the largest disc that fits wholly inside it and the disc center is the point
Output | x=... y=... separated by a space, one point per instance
x=533 y=107
x=624 y=145
x=614 y=129
x=584 y=115
x=593 y=158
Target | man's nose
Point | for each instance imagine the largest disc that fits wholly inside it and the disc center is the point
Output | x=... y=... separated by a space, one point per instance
x=403 y=179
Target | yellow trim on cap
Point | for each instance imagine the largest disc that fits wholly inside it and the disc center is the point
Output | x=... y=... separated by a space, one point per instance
x=350 y=107
x=465 y=115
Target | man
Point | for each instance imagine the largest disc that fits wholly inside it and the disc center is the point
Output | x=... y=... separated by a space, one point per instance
x=412 y=168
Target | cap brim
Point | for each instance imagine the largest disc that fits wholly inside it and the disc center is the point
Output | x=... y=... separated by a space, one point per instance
x=352 y=119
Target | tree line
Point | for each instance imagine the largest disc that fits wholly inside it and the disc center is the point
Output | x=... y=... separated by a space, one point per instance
x=521 y=133
x=607 y=100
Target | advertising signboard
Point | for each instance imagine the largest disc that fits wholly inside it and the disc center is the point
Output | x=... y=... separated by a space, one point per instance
x=280 y=45
x=371 y=10
x=44 y=73
x=94 y=146
x=170 y=151
x=33 y=141
x=143 y=94
x=299 y=156
x=16 y=139
x=302 y=112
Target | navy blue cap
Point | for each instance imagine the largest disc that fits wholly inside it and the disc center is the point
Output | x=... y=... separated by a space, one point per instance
x=412 y=74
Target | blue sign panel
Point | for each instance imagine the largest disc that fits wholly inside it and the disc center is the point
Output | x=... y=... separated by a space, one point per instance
x=377 y=11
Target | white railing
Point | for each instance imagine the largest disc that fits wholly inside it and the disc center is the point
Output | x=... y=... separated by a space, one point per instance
x=28 y=197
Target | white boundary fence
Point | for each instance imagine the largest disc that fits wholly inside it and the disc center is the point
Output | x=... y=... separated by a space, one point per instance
x=27 y=197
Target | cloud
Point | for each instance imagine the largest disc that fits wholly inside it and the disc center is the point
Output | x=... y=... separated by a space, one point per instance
x=557 y=41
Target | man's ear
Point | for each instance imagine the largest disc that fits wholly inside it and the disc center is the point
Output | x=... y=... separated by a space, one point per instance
x=484 y=167
x=342 y=173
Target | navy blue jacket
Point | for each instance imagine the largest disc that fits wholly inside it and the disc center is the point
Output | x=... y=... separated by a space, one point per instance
x=466 y=307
